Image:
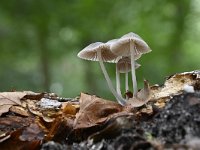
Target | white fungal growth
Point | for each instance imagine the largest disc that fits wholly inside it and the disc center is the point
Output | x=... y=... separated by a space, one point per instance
x=188 y=88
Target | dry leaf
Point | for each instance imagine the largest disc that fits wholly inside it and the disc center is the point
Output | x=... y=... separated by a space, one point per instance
x=94 y=111
x=10 y=123
x=8 y=99
x=33 y=95
x=174 y=85
x=19 y=110
x=47 y=111
x=14 y=142
x=4 y=108
x=141 y=98
x=56 y=130
x=33 y=108
x=32 y=132
x=11 y=98
x=69 y=109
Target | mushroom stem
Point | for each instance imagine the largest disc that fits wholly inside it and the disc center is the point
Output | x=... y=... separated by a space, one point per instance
x=120 y=99
x=126 y=80
x=118 y=82
x=134 y=81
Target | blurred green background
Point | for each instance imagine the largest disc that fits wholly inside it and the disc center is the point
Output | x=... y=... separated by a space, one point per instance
x=40 y=39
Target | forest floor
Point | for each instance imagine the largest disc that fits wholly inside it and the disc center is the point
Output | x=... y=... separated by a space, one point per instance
x=169 y=120
x=177 y=126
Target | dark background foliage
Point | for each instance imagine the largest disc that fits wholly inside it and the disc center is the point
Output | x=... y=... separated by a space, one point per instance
x=39 y=41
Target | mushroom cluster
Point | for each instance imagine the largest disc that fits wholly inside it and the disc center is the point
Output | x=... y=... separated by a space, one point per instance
x=124 y=52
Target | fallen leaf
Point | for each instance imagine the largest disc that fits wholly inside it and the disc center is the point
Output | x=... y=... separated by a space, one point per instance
x=33 y=108
x=69 y=109
x=8 y=99
x=141 y=98
x=11 y=123
x=4 y=108
x=57 y=130
x=14 y=142
x=33 y=95
x=174 y=85
x=32 y=132
x=11 y=98
x=45 y=109
x=19 y=110
x=94 y=111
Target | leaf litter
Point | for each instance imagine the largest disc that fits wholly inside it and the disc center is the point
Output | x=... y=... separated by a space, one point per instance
x=30 y=118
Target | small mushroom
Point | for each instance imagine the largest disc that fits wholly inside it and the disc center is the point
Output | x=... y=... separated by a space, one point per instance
x=132 y=45
x=123 y=66
x=101 y=52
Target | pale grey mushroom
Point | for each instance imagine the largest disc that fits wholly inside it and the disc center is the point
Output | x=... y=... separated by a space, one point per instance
x=132 y=45
x=101 y=52
x=123 y=66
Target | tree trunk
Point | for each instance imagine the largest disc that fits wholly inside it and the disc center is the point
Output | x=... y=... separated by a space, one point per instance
x=44 y=58
x=175 y=44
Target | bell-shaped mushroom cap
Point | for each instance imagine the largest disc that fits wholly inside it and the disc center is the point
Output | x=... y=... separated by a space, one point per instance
x=110 y=42
x=90 y=52
x=123 y=62
x=122 y=46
